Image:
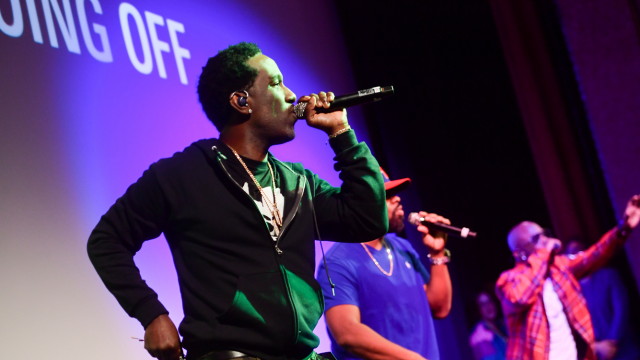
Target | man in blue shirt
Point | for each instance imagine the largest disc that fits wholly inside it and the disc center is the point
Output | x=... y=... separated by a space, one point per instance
x=385 y=299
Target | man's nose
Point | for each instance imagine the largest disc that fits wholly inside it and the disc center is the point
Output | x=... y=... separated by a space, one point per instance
x=289 y=95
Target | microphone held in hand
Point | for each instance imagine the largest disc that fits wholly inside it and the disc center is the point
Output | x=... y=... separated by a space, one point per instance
x=416 y=219
x=344 y=101
x=556 y=246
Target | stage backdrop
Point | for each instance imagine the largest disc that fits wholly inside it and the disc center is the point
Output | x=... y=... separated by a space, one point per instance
x=603 y=37
x=91 y=93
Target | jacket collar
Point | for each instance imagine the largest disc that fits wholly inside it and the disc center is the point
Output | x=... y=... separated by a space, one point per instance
x=292 y=184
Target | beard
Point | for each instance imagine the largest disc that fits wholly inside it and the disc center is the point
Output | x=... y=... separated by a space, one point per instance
x=396 y=222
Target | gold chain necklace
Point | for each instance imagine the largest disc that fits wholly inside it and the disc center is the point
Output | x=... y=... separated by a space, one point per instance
x=272 y=206
x=376 y=261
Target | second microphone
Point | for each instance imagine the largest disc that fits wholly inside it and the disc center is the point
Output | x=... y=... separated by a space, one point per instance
x=416 y=219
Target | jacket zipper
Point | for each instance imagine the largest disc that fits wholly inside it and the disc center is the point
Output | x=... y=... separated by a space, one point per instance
x=289 y=219
x=278 y=251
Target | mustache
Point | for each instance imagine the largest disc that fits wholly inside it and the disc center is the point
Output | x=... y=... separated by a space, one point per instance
x=395 y=210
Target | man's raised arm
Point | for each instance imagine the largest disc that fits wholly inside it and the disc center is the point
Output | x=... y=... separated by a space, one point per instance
x=596 y=256
x=518 y=288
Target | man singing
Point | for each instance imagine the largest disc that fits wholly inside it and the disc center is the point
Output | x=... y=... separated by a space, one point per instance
x=547 y=315
x=240 y=223
x=385 y=299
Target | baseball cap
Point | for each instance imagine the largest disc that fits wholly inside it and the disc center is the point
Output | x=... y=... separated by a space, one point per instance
x=393 y=187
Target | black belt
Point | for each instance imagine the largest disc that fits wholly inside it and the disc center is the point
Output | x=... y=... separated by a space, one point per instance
x=229 y=355
x=225 y=355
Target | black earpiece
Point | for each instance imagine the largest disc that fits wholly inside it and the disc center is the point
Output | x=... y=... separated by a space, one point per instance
x=242 y=100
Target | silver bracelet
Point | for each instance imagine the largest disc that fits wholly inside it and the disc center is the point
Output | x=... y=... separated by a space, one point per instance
x=441 y=260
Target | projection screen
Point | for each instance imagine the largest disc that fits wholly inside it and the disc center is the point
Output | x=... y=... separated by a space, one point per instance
x=91 y=93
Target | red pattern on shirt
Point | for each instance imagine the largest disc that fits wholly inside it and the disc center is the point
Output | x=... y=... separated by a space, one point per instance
x=520 y=292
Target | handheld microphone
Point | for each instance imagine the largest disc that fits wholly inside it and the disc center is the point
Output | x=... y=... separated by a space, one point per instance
x=344 y=101
x=416 y=219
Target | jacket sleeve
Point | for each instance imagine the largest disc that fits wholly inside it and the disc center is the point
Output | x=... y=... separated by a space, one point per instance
x=519 y=288
x=356 y=211
x=137 y=216
x=596 y=256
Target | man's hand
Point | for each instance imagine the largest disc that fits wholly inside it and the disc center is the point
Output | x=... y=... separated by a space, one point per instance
x=161 y=339
x=553 y=245
x=435 y=240
x=331 y=122
x=606 y=349
x=631 y=215
x=438 y=291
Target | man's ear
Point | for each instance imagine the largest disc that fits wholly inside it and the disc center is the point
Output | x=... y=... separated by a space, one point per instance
x=520 y=255
x=236 y=100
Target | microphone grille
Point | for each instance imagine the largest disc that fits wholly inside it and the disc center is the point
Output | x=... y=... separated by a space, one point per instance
x=298 y=109
x=414 y=218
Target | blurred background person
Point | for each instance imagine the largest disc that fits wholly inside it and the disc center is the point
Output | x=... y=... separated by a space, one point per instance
x=608 y=304
x=489 y=337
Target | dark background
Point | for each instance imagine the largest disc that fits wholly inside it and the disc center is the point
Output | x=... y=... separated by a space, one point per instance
x=454 y=127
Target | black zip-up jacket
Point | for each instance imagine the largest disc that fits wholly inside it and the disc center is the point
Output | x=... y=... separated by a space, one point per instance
x=240 y=290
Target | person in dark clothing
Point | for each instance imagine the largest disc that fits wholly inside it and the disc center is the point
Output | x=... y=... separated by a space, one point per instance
x=489 y=337
x=608 y=304
x=240 y=223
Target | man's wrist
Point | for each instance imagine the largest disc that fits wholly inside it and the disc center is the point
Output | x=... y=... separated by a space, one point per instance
x=623 y=229
x=337 y=130
x=439 y=258
x=149 y=311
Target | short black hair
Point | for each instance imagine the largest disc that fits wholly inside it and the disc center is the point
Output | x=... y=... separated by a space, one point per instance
x=225 y=73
